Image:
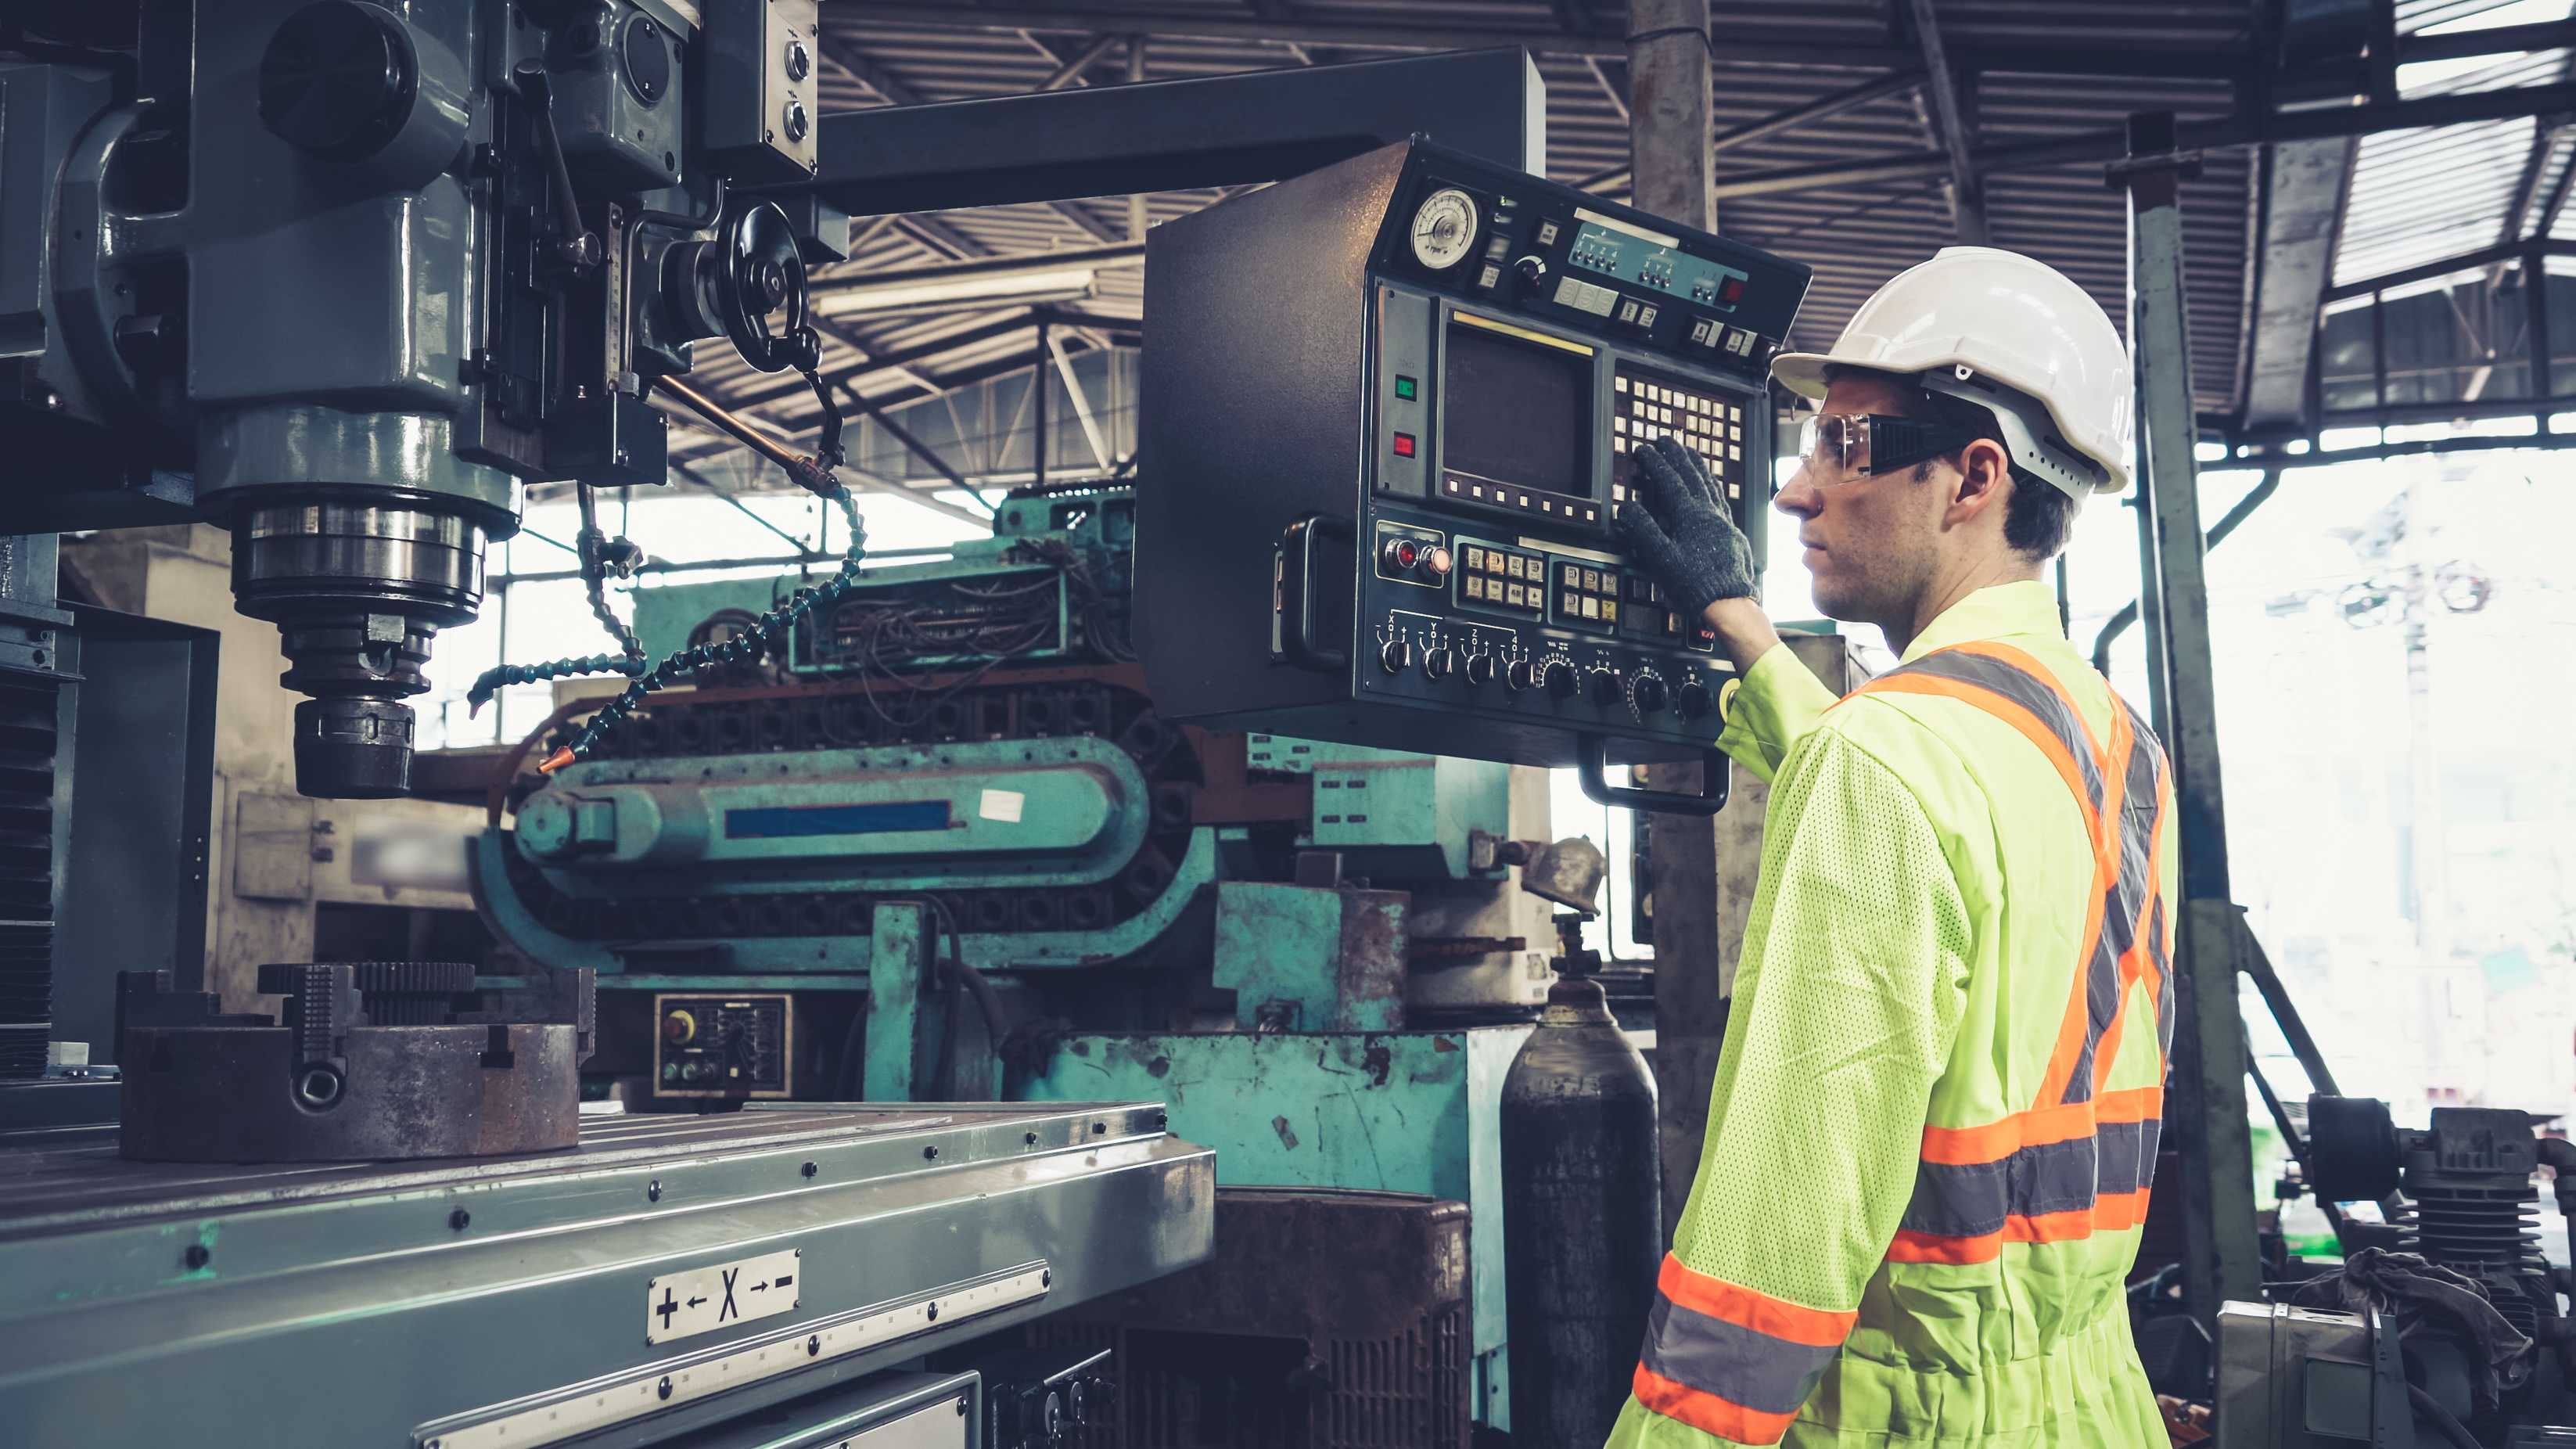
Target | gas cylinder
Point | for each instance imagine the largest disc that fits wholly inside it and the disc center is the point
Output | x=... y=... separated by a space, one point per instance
x=1582 y=1219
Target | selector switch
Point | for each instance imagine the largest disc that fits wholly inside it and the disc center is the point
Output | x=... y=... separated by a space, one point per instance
x=1691 y=699
x=1521 y=675
x=1649 y=694
x=1395 y=656
x=1437 y=663
x=1480 y=669
x=1561 y=681
x=1532 y=272
x=1607 y=687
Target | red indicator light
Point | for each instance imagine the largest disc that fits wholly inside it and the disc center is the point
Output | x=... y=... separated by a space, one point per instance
x=1734 y=289
x=1404 y=445
x=1407 y=553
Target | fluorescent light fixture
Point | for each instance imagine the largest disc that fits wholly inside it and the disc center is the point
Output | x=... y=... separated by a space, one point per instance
x=1006 y=289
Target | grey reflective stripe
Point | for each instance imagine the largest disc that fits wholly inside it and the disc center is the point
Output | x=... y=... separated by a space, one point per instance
x=1743 y=1366
x=2128 y=1152
x=1952 y=1200
x=2156 y=913
x=2016 y=685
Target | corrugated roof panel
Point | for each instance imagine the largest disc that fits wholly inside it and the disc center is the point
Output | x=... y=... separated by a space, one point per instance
x=2419 y=195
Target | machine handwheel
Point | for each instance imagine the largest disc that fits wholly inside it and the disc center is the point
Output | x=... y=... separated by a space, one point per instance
x=760 y=290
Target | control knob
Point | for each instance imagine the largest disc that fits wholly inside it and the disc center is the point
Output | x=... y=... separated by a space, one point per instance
x=1436 y=663
x=1649 y=694
x=1480 y=669
x=1560 y=681
x=1691 y=699
x=1607 y=687
x=1395 y=656
x=1532 y=273
x=1521 y=675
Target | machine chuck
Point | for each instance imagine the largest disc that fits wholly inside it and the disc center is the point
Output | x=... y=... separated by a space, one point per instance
x=358 y=589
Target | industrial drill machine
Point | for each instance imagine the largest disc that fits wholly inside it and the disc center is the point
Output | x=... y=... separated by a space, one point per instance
x=345 y=279
x=937 y=844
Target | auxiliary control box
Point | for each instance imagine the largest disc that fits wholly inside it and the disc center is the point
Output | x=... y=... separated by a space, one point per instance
x=1387 y=416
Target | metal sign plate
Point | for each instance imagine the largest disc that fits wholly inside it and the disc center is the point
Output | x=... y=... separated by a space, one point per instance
x=679 y=1305
x=586 y=1408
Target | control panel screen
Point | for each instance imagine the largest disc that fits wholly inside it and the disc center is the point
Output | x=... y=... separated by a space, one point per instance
x=1650 y=259
x=1517 y=412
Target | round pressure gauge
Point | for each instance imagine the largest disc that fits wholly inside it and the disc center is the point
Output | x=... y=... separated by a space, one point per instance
x=1444 y=229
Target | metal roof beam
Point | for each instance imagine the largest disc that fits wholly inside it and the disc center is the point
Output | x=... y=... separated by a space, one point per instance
x=1075 y=64
x=2300 y=217
x=2467 y=261
x=1940 y=96
x=1773 y=48
x=2100 y=147
x=1174 y=135
x=1780 y=122
x=864 y=68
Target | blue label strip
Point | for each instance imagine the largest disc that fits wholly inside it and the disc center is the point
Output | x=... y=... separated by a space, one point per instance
x=772 y=822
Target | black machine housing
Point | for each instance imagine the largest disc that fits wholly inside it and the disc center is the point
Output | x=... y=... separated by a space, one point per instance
x=1327 y=417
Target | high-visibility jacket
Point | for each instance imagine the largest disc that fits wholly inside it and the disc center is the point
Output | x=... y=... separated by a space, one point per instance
x=1934 y=1120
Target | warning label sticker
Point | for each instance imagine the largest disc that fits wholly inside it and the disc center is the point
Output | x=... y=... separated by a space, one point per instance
x=678 y=1305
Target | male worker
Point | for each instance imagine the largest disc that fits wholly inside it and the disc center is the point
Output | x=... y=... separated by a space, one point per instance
x=1934 y=1122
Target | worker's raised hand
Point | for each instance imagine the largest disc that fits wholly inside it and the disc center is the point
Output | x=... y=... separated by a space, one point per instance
x=1679 y=527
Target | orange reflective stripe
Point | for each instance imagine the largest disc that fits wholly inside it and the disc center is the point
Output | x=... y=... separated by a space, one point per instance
x=1778 y=1317
x=2120 y=1211
x=2111 y=1213
x=1913 y=1247
x=2019 y=719
x=2075 y=1033
x=1995 y=1141
x=1709 y=1413
x=2137 y=963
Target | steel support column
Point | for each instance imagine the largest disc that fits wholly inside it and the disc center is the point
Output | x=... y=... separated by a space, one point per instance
x=1672 y=166
x=2205 y=1108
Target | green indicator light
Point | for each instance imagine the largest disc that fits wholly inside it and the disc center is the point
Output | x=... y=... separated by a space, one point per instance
x=1406 y=388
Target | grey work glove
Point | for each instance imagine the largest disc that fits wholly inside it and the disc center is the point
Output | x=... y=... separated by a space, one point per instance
x=1679 y=527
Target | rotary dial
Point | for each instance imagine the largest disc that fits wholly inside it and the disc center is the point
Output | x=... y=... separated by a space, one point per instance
x=1444 y=229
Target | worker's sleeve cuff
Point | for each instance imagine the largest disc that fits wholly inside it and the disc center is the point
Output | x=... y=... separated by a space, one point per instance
x=1773 y=707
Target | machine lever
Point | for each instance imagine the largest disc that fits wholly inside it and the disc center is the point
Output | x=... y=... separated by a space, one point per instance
x=1591 y=758
x=1297 y=593
x=579 y=247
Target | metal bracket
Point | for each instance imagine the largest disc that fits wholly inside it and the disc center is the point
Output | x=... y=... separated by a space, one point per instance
x=1591 y=758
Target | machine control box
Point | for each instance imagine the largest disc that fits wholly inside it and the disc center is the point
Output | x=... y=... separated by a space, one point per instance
x=1389 y=417
x=762 y=89
x=724 y=1046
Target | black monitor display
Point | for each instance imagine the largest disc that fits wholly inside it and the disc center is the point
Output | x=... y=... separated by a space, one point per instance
x=1517 y=412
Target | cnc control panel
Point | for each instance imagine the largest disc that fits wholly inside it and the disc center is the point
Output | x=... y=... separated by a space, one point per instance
x=1492 y=349
x=723 y=1046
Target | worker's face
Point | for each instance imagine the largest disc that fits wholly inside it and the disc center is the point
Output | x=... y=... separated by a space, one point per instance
x=1872 y=542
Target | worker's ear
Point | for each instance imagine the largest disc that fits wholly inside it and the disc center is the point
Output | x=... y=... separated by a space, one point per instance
x=1979 y=485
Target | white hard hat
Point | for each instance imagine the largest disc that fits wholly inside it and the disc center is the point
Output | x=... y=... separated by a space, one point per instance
x=1975 y=321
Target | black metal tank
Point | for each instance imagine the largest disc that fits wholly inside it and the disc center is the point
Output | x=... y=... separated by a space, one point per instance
x=1582 y=1219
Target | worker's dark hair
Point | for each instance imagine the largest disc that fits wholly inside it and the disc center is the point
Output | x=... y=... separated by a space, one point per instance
x=2039 y=516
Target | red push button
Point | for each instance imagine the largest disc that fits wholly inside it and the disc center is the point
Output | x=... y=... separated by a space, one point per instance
x=1404 y=445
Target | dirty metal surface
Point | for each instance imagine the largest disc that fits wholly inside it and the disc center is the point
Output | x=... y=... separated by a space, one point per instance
x=524 y=1276
x=1412 y=1112
x=1305 y=959
x=227 y=1095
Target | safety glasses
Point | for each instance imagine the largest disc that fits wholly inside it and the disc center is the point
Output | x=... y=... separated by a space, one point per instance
x=1842 y=446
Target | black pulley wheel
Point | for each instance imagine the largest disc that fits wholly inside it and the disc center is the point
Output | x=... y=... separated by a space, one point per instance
x=760 y=288
x=338 y=80
x=2352 y=1147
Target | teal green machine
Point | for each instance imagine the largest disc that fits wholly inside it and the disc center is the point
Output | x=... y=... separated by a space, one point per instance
x=939 y=846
